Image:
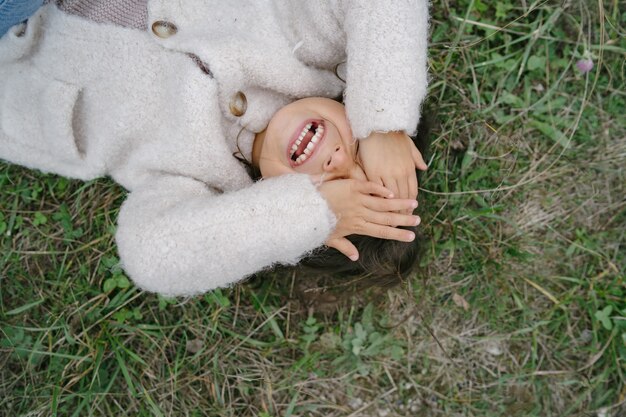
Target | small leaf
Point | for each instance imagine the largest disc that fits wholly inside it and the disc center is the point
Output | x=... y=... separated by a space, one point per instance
x=110 y=261
x=551 y=132
x=62 y=184
x=468 y=158
x=359 y=332
x=194 y=346
x=460 y=301
x=480 y=6
x=122 y=315
x=603 y=317
x=216 y=296
x=137 y=314
x=502 y=9
x=511 y=99
x=368 y=317
x=109 y=285
x=122 y=281
x=493 y=348
x=68 y=335
x=164 y=302
x=39 y=219
x=536 y=62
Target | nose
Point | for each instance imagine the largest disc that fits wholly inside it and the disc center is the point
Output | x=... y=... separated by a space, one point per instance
x=339 y=161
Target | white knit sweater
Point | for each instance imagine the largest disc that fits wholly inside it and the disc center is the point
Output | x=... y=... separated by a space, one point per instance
x=86 y=99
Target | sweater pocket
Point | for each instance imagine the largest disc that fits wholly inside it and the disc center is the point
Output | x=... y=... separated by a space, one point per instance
x=37 y=112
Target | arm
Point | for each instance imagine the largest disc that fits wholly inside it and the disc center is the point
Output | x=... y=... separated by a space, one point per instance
x=177 y=237
x=386 y=47
x=386 y=83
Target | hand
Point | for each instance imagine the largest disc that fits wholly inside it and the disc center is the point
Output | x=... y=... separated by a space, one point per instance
x=390 y=159
x=365 y=208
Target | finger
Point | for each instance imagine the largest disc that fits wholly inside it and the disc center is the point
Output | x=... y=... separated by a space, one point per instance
x=403 y=192
x=344 y=246
x=393 y=204
x=392 y=184
x=419 y=160
x=392 y=219
x=413 y=186
x=369 y=187
x=376 y=180
x=388 y=232
x=403 y=187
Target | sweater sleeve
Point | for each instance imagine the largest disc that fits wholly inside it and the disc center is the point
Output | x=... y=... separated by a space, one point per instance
x=178 y=237
x=386 y=48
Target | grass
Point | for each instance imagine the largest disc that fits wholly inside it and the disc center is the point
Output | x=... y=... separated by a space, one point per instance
x=520 y=309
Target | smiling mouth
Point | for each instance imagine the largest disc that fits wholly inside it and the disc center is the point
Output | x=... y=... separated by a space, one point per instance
x=306 y=143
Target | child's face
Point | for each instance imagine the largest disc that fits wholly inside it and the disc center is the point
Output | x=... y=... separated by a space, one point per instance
x=310 y=136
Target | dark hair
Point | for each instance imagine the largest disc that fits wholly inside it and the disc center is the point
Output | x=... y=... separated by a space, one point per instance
x=382 y=263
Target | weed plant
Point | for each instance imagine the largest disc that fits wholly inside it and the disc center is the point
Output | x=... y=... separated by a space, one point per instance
x=519 y=308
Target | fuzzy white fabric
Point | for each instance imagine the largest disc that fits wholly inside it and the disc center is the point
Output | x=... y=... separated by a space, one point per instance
x=85 y=99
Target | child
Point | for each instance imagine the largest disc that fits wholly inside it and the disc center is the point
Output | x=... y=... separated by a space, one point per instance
x=159 y=112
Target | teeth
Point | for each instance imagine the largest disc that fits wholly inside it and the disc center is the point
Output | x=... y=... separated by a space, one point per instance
x=318 y=135
x=301 y=159
x=305 y=129
x=319 y=131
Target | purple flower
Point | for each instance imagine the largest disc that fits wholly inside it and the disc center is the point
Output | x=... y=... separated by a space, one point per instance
x=584 y=65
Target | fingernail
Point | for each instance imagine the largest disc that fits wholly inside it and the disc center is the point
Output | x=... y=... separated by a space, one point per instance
x=414 y=204
x=390 y=195
x=418 y=220
x=411 y=237
x=354 y=257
